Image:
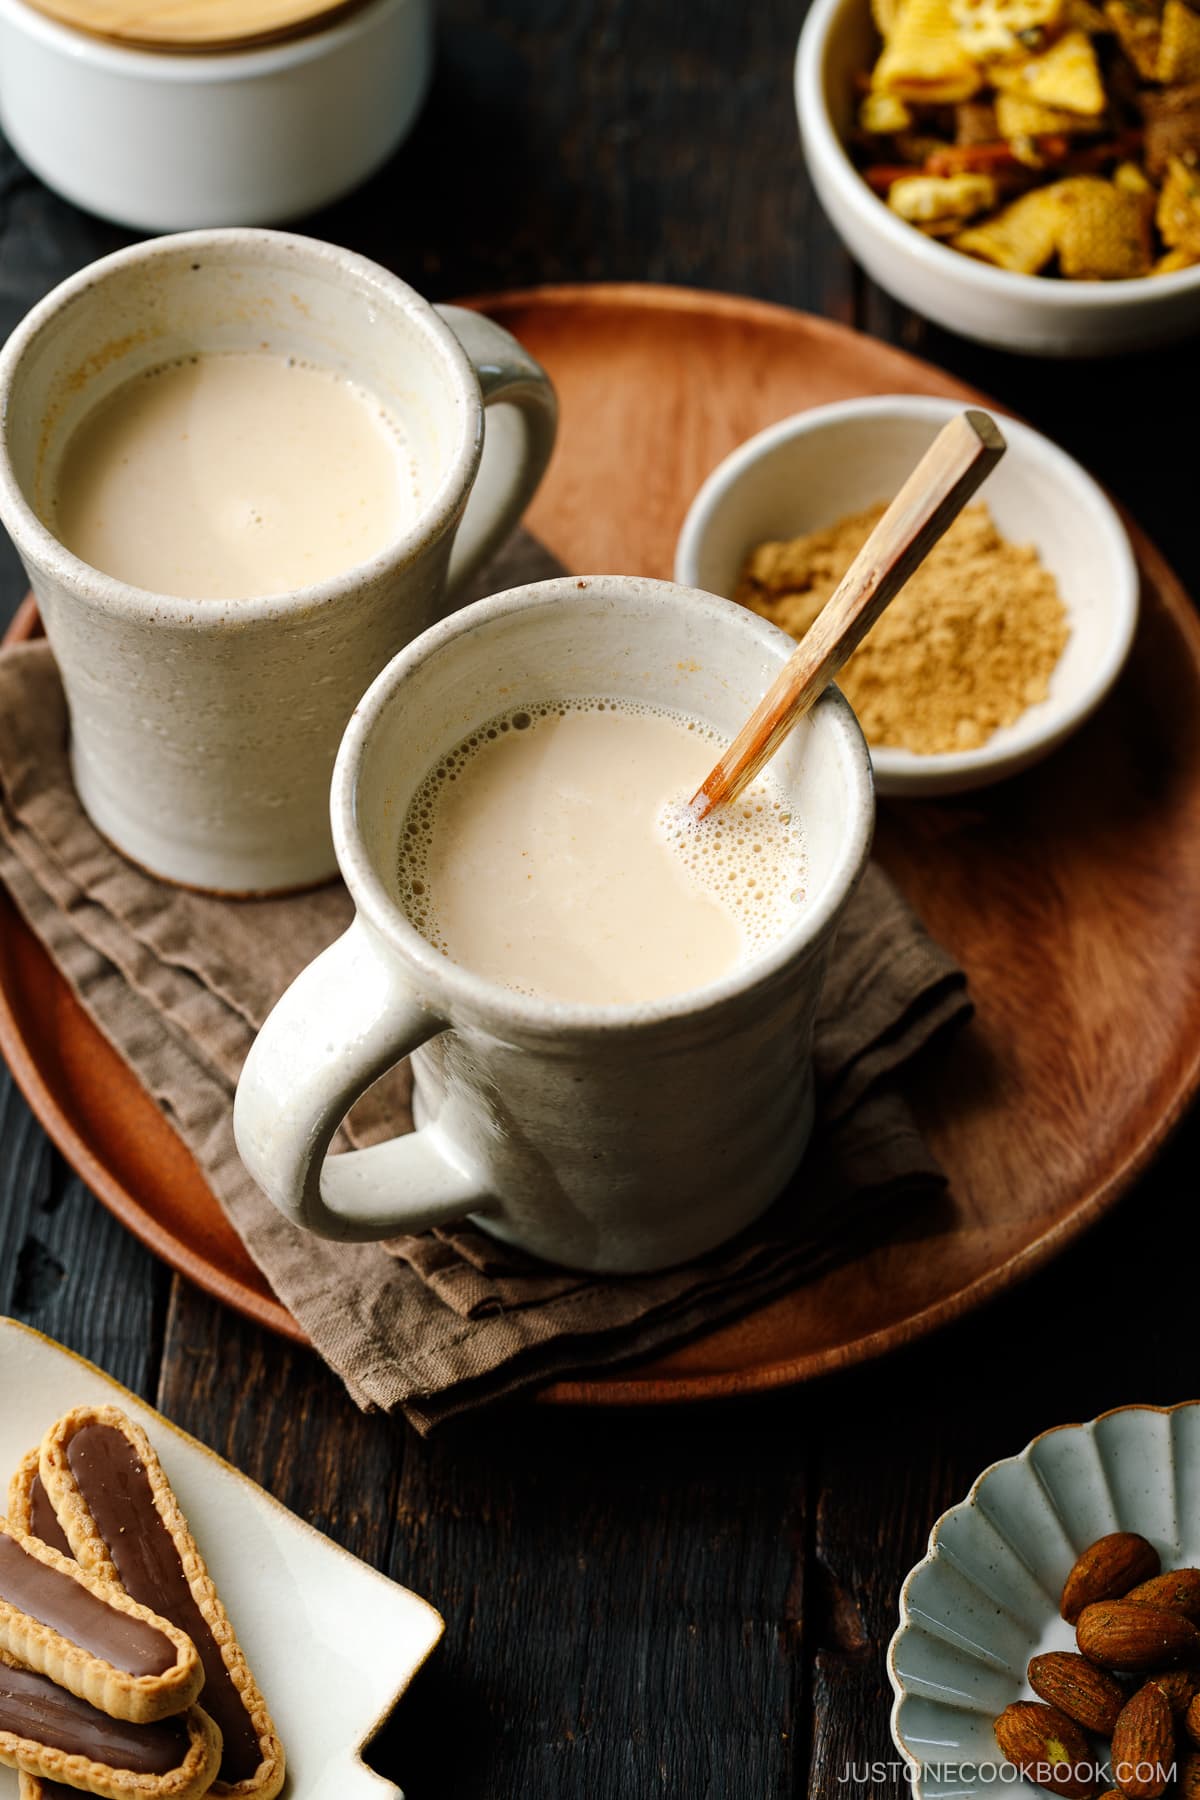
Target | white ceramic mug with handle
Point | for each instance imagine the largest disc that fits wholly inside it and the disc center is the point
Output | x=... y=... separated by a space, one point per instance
x=616 y=1138
x=204 y=732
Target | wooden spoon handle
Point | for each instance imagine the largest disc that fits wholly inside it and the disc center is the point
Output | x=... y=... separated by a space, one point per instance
x=961 y=455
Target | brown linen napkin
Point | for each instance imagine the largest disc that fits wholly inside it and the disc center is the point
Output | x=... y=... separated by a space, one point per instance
x=439 y=1324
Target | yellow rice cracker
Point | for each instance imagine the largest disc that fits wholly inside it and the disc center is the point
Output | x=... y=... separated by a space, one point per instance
x=1172 y=128
x=1179 y=50
x=923 y=59
x=882 y=115
x=1017 y=117
x=1174 y=260
x=1138 y=25
x=1003 y=28
x=1131 y=178
x=1104 y=233
x=1023 y=237
x=934 y=199
x=1067 y=75
x=1081 y=15
x=1179 y=208
x=884 y=14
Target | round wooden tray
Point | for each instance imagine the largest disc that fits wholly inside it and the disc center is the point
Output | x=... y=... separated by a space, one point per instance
x=1071 y=895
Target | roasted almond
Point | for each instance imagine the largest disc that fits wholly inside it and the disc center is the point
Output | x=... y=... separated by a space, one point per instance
x=1078 y=1688
x=1048 y=1748
x=1187 y=1784
x=1191 y=1719
x=1106 y=1570
x=1178 y=1589
x=1143 y=1744
x=1179 y=1685
x=1120 y=1634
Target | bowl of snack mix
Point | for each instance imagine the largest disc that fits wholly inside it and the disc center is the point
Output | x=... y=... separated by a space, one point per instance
x=1001 y=644
x=1026 y=172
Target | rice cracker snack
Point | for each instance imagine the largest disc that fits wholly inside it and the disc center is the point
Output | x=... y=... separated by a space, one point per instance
x=924 y=60
x=119 y=1514
x=1047 y=137
x=1104 y=231
x=1022 y=236
x=1179 y=208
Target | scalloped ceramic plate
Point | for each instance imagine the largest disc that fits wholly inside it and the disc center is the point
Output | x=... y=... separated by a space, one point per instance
x=985 y=1597
x=333 y=1643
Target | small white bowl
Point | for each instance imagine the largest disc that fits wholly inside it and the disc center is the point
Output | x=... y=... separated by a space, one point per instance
x=167 y=141
x=985 y=1597
x=812 y=469
x=1033 y=313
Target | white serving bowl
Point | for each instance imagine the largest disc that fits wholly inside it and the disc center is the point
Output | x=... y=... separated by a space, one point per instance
x=168 y=141
x=812 y=469
x=985 y=1598
x=1019 y=312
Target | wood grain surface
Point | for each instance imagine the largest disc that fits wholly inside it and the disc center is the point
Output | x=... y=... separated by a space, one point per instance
x=693 y=1604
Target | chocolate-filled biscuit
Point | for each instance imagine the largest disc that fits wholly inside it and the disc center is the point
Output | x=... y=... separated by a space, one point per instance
x=29 y=1508
x=89 y=1636
x=30 y=1511
x=123 y=1522
x=54 y=1737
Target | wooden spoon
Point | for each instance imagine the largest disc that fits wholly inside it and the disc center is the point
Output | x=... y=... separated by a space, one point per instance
x=960 y=456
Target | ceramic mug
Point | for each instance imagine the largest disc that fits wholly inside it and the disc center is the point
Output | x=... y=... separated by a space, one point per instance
x=203 y=733
x=610 y=1138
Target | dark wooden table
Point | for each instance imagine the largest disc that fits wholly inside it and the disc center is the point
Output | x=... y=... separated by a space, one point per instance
x=691 y=1602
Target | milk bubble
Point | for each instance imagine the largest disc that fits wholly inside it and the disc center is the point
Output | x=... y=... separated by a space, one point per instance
x=748 y=856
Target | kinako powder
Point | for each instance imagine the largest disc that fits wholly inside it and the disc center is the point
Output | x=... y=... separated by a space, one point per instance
x=965 y=647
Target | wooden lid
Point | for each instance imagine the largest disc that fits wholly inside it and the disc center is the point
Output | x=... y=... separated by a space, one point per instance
x=194 y=25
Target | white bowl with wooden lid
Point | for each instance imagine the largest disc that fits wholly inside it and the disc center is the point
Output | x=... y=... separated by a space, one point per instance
x=217 y=112
x=815 y=468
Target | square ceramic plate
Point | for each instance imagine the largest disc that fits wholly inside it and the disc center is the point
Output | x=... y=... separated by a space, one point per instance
x=290 y=1592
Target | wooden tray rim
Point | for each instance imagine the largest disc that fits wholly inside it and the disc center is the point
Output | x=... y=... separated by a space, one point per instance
x=614 y=1388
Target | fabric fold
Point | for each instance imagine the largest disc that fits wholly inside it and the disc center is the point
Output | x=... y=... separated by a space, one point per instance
x=438 y=1325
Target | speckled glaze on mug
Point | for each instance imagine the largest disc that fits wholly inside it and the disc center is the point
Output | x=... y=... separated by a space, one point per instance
x=204 y=732
x=615 y=1138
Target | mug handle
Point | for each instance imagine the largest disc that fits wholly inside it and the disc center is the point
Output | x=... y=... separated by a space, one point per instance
x=518 y=437
x=344 y=1021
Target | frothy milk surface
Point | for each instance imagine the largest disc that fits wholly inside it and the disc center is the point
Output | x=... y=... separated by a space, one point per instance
x=553 y=852
x=229 y=475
